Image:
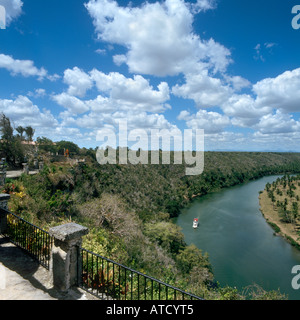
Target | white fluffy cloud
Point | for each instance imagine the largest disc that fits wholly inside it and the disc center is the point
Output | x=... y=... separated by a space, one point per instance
x=71 y=103
x=13 y=9
x=24 y=67
x=280 y=95
x=282 y=92
x=79 y=82
x=267 y=111
x=119 y=98
x=117 y=93
x=244 y=110
x=238 y=82
x=135 y=100
x=158 y=36
x=128 y=93
x=278 y=123
x=22 y=111
x=211 y=122
x=206 y=91
x=158 y=39
x=142 y=120
x=203 y=63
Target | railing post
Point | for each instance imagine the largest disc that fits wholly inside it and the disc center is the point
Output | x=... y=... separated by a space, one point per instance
x=2 y=172
x=4 y=198
x=64 y=263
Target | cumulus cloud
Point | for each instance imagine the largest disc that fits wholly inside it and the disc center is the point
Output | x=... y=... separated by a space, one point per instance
x=211 y=122
x=244 y=110
x=24 y=67
x=149 y=50
x=13 y=9
x=206 y=91
x=143 y=120
x=119 y=98
x=23 y=112
x=132 y=93
x=135 y=120
x=238 y=82
x=79 y=82
x=278 y=123
x=282 y=92
x=280 y=95
x=135 y=100
x=117 y=93
x=266 y=110
x=101 y=104
x=201 y=63
x=71 y=103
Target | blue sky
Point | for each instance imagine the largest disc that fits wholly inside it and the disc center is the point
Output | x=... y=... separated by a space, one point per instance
x=230 y=67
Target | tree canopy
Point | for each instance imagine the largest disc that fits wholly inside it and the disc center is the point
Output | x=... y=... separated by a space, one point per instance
x=10 y=146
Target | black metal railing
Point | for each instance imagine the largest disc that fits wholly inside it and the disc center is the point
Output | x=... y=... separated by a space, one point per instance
x=29 y=237
x=98 y=275
x=112 y=281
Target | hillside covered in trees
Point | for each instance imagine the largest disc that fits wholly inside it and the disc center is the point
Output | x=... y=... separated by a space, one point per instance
x=128 y=210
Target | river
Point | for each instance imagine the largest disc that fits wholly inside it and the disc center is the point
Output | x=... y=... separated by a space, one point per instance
x=242 y=247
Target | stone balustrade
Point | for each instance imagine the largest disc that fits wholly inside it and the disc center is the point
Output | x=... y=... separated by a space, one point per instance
x=65 y=265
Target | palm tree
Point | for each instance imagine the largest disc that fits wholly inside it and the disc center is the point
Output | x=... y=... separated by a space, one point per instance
x=29 y=132
x=20 y=130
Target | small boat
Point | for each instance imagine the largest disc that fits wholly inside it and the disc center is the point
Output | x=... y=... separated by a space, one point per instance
x=195 y=223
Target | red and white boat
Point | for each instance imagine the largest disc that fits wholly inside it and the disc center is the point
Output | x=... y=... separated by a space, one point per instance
x=195 y=223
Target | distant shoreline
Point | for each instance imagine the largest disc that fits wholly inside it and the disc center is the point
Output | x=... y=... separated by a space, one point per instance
x=285 y=230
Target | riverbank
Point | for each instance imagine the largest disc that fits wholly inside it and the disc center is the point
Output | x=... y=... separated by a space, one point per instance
x=241 y=246
x=288 y=231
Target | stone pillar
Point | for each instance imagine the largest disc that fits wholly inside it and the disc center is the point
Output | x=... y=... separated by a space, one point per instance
x=2 y=172
x=25 y=168
x=36 y=163
x=2 y=178
x=64 y=264
x=41 y=165
x=4 y=198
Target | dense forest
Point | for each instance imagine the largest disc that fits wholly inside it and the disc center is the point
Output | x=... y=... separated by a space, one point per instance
x=128 y=210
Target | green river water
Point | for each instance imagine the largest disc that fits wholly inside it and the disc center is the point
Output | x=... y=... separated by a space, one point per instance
x=242 y=247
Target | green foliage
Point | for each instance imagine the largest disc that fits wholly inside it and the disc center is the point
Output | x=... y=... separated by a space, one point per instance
x=166 y=234
x=293 y=242
x=29 y=132
x=46 y=145
x=229 y=293
x=59 y=202
x=64 y=145
x=255 y=292
x=191 y=257
x=10 y=146
x=274 y=226
x=128 y=208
